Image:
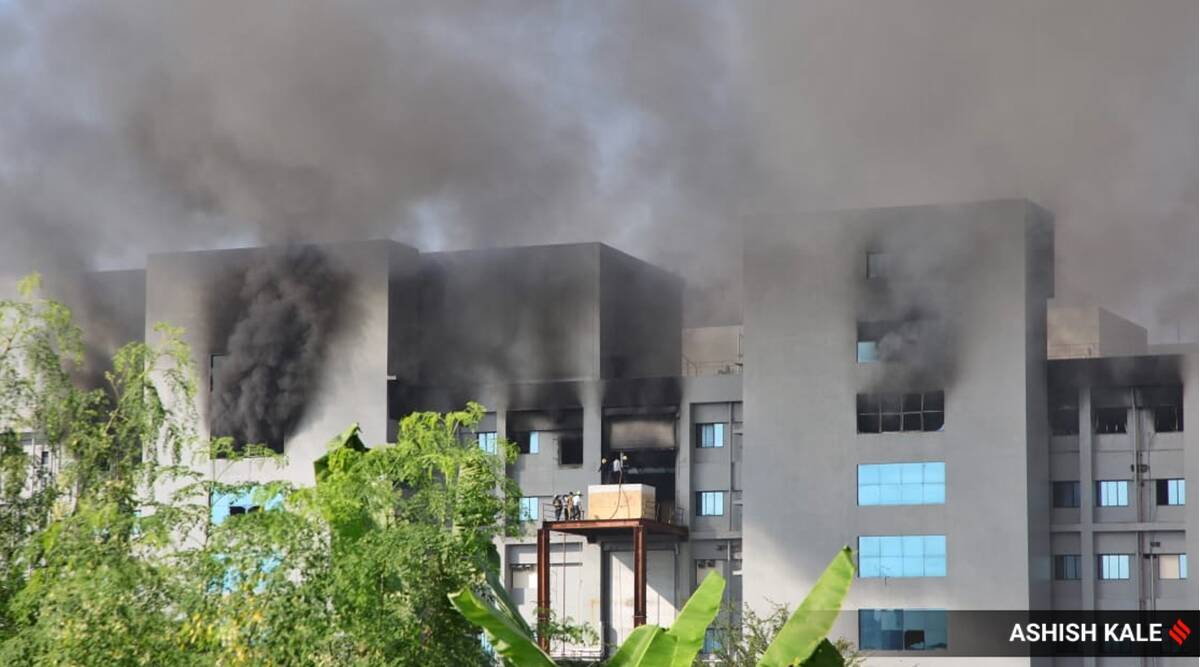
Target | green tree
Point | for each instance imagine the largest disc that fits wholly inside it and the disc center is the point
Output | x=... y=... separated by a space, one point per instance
x=113 y=559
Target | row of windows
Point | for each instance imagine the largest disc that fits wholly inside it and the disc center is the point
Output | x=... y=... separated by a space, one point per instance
x=570 y=444
x=1067 y=567
x=902 y=483
x=895 y=413
x=1115 y=493
x=708 y=436
x=892 y=556
x=1110 y=412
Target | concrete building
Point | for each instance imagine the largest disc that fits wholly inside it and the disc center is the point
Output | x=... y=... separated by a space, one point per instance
x=893 y=387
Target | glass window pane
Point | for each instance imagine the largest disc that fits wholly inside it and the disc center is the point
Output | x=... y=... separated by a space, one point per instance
x=889 y=474
x=867 y=351
x=935 y=472
x=934 y=494
x=868 y=474
x=911 y=473
x=868 y=495
x=889 y=494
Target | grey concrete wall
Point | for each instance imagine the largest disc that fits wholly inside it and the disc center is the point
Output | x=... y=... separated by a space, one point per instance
x=186 y=289
x=803 y=276
x=641 y=315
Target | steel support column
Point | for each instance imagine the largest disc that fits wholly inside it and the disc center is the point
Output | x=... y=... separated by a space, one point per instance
x=543 y=585
x=639 y=576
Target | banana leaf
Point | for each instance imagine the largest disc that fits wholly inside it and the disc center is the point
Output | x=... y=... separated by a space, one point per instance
x=693 y=620
x=812 y=620
x=510 y=641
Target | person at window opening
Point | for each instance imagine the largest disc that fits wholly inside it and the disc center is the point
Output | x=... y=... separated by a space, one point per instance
x=558 y=507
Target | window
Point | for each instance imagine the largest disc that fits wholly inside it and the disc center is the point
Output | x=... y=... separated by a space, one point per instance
x=1113 y=566
x=1166 y=404
x=902 y=483
x=570 y=448
x=710 y=503
x=889 y=413
x=528 y=442
x=877 y=265
x=487 y=442
x=224 y=504
x=45 y=458
x=902 y=556
x=901 y=629
x=869 y=335
x=710 y=436
x=1112 y=493
x=1064 y=413
x=711 y=643
x=529 y=509
x=1170 y=491
x=1110 y=420
x=1067 y=567
x=1172 y=566
x=1066 y=494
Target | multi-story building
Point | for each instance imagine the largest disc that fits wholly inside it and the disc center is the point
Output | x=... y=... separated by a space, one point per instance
x=901 y=394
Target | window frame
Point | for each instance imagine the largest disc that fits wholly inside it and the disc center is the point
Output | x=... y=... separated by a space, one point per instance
x=717 y=429
x=927 y=551
x=1105 y=488
x=1181 y=567
x=1170 y=492
x=905 y=412
x=885 y=481
x=1066 y=565
x=703 y=507
x=1057 y=485
x=898 y=637
x=489 y=441
x=1119 y=562
x=523 y=506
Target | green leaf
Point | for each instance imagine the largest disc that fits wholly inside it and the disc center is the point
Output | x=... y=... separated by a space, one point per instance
x=826 y=655
x=695 y=617
x=812 y=620
x=510 y=641
x=506 y=604
x=635 y=646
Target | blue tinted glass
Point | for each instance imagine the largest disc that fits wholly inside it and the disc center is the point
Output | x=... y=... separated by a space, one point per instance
x=718 y=435
x=911 y=473
x=868 y=546
x=868 y=566
x=933 y=494
x=891 y=546
x=533 y=442
x=868 y=351
x=868 y=495
x=868 y=474
x=889 y=474
x=890 y=494
x=911 y=494
x=935 y=545
x=935 y=472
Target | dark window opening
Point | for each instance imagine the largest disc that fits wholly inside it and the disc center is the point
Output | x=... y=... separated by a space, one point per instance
x=570 y=448
x=894 y=413
x=1170 y=491
x=1166 y=404
x=1066 y=494
x=1110 y=420
x=1067 y=567
x=1064 y=413
x=527 y=442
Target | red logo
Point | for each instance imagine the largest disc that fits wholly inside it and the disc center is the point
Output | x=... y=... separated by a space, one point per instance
x=1180 y=631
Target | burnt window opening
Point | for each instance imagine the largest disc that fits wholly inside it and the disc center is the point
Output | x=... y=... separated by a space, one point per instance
x=896 y=413
x=1064 y=413
x=215 y=389
x=1109 y=420
x=1166 y=405
x=570 y=448
x=877 y=265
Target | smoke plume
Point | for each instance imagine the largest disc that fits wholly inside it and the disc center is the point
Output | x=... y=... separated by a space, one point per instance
x=288 y=309
x=132 y=126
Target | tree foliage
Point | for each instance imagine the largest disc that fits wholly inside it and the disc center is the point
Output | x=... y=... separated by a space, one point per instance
x=109 y=556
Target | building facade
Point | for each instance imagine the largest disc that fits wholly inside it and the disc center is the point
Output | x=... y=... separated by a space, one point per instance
x=890 y=388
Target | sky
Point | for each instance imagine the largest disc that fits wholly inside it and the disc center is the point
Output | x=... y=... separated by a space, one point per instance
x=135 y=126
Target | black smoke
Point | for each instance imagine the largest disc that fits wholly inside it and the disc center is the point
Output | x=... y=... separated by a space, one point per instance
x=288 y=309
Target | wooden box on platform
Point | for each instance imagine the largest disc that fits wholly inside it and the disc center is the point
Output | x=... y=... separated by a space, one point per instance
x=624 y=501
